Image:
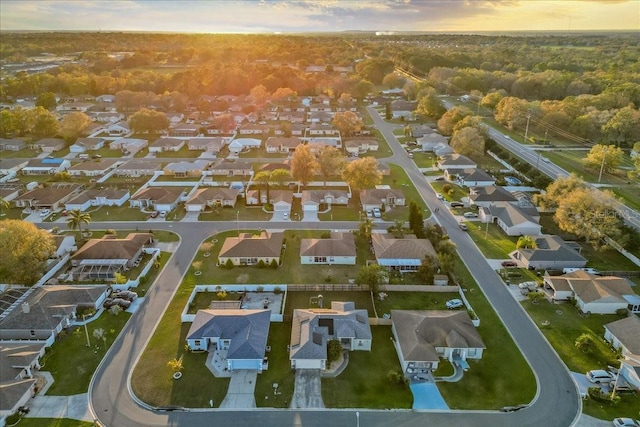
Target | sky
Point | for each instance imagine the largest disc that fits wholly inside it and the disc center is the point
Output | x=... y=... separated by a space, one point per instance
x=287 y=16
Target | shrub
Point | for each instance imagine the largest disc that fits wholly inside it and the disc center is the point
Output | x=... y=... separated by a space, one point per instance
x=585 y=343
x=277 y=290
x=261 y=264
x=229 y=264
x=325 y=235
x=274 y=264
x=111 y=231
x=334 y=350
x=622 y=312
x=260 y=289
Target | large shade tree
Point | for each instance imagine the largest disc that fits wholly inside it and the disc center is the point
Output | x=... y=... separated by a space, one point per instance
x=362 y=173
x=24 y=249
x=303 y=164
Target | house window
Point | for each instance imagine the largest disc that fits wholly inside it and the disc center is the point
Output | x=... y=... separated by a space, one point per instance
x=33 y=333
x=320 y=259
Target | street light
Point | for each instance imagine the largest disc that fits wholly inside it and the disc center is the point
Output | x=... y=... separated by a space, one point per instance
x=238 y=222
x=86 y=332
x=357 y=418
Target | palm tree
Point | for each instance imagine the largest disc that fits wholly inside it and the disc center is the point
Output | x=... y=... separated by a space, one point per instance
x=526 y=242
x=176 y=364
x=4 y=204
x=76 y=219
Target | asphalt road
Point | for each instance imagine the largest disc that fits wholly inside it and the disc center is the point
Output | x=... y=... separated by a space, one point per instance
x=557 y=402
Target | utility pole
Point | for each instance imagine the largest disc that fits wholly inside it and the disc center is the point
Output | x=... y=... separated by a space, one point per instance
x=604 y=156
x=526 y=131
x=86 y=331
x=238 y=222
x=545 y=136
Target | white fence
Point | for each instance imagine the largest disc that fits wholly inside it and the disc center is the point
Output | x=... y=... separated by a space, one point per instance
x=133 y=283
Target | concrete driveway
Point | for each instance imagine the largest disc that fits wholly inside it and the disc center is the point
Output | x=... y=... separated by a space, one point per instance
x=307 y=392
x=241 y=390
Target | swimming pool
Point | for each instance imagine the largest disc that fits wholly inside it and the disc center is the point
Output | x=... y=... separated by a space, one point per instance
x=512 y=180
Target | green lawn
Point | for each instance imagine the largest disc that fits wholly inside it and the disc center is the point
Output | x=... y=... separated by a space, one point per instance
x=571 y=161
x=279 y=370
x=502 y=377
x=106 y=152
x=342 y=213
x=565 y=325
x=424 y=160
x=496 y=244
x=171 y=178
x=184 y=152
x=413 y=301
x=27 y=153
x=398 y=179
x=486 y=162
x=118 y=213
x=364 y=383
x=455 y=193
x=244 y=213
x=72 y=363
x=302 y=299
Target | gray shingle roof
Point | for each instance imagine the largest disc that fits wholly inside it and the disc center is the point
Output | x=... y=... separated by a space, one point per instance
x=340 y=244
x=386 y=247
x=627 y=331
x=265 y=245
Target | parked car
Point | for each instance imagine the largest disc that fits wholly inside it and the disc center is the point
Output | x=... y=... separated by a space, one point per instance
x=531 y=286
x=463 y=227
x=454 y=303
x=110 y=302
x=457 y=205
x=439 y=178
x=625 y=422
x=45 y=213
x=369 y=213
x=439 y=196
x=377 y=213
x=598 y=376
x=285 y=215
x=470 y=215
x=163 y=214
x=154 y=214
x=127 y=295
x=509 y=264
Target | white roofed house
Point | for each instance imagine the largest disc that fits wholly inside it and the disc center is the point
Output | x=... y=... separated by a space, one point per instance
x=210 y=145
x=311 y=329
x=282 y=144
x=375 y=198
x=423 y=337
x=45 y=166
x=338 y=249
x=184 y=129
x=102 y=258
x=104 y=197
x=238 y=336
x=403 y=255
x=357 y=146
x=84 y=144
x=514 y=221
x=166 y=144
x=118 y=129
x=137 y=168
x=128 y=145
x=470 y=177
x=244 y=144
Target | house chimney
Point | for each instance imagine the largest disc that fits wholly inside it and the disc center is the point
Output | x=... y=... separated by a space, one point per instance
x=25 y=307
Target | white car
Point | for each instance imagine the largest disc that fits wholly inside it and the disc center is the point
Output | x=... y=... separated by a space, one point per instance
x=377 y=213
x=454 y=303
x=163 y=214
x=45 y=212
x=531 y=286
x=285 y=215
x=626 y=422
x=369 y=213
x=598 y=376
x=439 y=196
x=470 y=215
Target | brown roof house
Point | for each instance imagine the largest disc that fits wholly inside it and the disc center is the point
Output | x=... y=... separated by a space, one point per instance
x=249 y=249
x=93 y=167
x=203 y=198
x=159 y=198
x=46 y=198
x=422 y=337
x=338 y=249
x=375 y=198
x=406 y=254
x=18 y=362
x=104 y=197
x=102 y=258
x=49 y=309
x=311 y=329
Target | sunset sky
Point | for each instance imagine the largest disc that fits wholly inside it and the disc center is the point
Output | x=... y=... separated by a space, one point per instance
x=259 y=16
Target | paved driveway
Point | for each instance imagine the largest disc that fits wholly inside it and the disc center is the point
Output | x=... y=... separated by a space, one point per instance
x=427 y=396
x=241 y=390
x=307 y=392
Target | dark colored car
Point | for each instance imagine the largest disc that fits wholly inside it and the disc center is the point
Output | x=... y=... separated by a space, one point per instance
x=127 y=295
x=457 y=205
x=513 y=408
x=154 y=214
x=509 y=264
x=110 y=302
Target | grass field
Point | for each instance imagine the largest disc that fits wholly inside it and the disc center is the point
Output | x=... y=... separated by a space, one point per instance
x=496 y=244
x=279 y=370
x=53 y=422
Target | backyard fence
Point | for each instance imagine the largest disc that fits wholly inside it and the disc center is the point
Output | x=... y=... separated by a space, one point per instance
x=328 y=287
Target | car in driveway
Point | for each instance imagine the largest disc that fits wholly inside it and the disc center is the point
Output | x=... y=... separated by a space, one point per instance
x=285 y=215
x=625 y=422
x=463 y=227
x=470 y=215
x=439 y=196
x=454 y=303
x=598 y=376
x=377 y=213
x=369 y=213
x=531 y=286
x=126 y=295
x=509 y=264
x=439 y=178
x=154 y=214
x=457 y=205
x=110 y=302
x=45 y=212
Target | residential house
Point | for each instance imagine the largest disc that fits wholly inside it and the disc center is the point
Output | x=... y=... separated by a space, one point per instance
x=253 y=129
x=490 y=195
x=320 y=130
x=136 y=168
x=110 y=117
x=93 y=198
x=402 y=255
x=71 y=107
x=338 y=249
x=46 y=198
x=203 y=198
x=18 y=364
x=319 y=117
x=281 y=200
x=64 y=244
x=376 y=198
x=593 y=294
x=312 y=199
x=103 y=258
x=186 y=169
x=282 y=145
x=96 y=167
x=84 y=144
x=298 y=129
x=630 y=372
x=357 y=146
x=311 y=329
x=118 y=129
x=470 y=177
x=12 y=166
x=423 y=337
x=456 y=161
x=431 y=141
x=249 y=249
x=418 y=131
x=244 y=144
x=48 y=310
x=10 y=191
x=210 y=145
x=12 y=144
x=241 y=335
x=106 y=98
x=551 y=253
x=128 y=145
x=48 y=145
x=45 y=166
x=184 y=130
x=317 y=144
x=624 y=336
x=164 y=199
x=514 y=221
x=166 y=144
x=403 y=109
x=230 y=168
x=174 y=118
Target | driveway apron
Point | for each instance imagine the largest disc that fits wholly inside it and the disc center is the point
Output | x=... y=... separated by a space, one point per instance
x=307 y=392
x=241 y=390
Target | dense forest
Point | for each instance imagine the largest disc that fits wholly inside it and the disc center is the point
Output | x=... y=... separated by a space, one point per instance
x=582 y=86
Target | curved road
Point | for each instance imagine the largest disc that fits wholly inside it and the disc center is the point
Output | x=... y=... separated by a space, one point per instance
x=557 y=402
